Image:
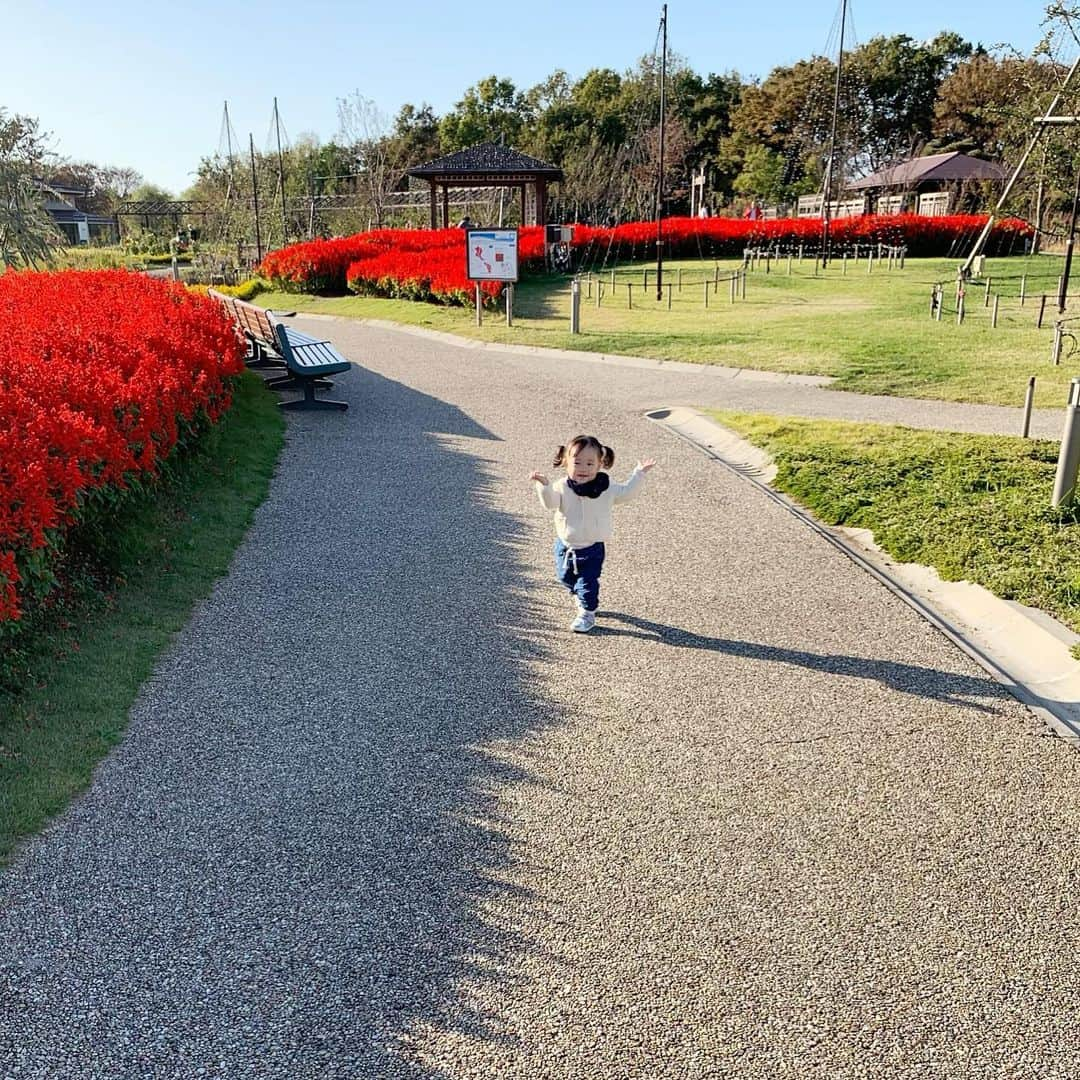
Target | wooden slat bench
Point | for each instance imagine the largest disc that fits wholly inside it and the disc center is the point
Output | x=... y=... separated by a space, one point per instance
x=258 y=330
x=308 y=360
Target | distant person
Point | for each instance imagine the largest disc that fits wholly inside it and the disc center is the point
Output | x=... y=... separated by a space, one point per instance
x=582 y=500
x=703 y=212
x=465 y=223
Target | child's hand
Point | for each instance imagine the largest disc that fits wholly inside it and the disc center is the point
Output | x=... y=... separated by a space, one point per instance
x=540 y=478
x=646 y=465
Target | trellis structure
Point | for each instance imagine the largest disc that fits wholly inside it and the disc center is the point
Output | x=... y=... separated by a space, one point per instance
x=489 y=165
x=156 y=208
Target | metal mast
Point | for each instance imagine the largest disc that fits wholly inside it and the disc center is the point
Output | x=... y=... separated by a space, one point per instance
x=281 y=175
x=832 y=140
x=660 y=177
x=255 y=197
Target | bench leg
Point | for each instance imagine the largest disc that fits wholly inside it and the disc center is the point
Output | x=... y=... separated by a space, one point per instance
x=310 y=401
x=291 y=382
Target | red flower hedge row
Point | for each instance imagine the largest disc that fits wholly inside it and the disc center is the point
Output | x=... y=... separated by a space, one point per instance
x=102 y=373
x=422 y=264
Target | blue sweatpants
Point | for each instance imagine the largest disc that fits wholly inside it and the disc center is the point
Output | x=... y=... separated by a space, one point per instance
x=579 y=570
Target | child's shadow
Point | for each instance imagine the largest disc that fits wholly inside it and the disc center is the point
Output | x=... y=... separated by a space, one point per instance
x=926 y=682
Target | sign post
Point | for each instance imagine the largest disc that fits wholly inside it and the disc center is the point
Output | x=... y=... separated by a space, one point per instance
x=491 y=255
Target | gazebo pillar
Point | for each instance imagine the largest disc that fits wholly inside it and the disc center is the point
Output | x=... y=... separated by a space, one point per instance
x=541 y=202
x=434 y=211
x=446 y=206
x=521 y=190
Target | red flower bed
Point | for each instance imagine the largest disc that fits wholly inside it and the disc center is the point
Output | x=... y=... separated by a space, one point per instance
x=102 y=373
x=429 y=264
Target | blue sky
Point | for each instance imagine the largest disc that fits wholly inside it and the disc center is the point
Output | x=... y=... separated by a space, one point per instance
x=143 y=85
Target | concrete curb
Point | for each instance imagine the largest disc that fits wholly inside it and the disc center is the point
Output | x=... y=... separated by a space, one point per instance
x=1022 y=648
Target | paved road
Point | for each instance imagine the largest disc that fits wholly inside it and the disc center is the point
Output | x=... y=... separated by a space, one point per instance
x=379 y=814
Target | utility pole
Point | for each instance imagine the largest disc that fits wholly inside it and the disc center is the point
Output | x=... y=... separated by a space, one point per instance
x=660 y=178
x=832 y=142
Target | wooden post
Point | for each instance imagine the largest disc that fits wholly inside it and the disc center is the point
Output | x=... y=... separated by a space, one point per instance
x=734 y=283
x=960 y=309
x=645 y=283
x=870 y=262
x=1023 y=288
x=994 y=315
x=669 y=287
x=800 y=254
x=599 y=293
x=1056 y=356
x=986 y=298
x=789 y=264
x=742 y=278
x=679 y=274
x=940 y=301
x=706 y=294
x=1042 y=309
x=612 y=280
x=844 y=263
x=508 y=292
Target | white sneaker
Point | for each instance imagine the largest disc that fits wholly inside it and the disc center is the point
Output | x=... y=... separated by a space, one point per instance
x=585 y=621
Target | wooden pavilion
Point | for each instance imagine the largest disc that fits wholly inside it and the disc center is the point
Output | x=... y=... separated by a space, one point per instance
x=489 y=165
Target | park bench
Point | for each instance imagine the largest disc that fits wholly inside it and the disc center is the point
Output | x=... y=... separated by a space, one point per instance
x=307 y=360
x=255 y=325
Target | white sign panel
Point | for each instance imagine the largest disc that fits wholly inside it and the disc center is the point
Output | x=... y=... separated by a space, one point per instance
x=492 y=254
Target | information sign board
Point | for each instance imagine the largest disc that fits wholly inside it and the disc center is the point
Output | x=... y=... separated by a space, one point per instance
x=492 y=254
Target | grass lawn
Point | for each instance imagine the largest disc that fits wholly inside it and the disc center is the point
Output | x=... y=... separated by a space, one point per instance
x=974 y=507
x=85 y=667
x=872 y=332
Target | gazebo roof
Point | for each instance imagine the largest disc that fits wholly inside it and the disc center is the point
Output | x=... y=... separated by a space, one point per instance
x=486 y=160
x=952 y=166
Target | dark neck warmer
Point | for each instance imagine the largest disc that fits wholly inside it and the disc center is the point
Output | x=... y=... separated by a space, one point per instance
x=593 y=488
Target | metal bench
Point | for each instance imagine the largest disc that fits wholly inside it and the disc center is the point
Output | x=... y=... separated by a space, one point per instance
x=309 y=361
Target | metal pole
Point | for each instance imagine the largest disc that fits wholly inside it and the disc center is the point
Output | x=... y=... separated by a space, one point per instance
x=281 y=176
x=660 y=178
x=706 y=294
x=575 y=306
x=1063 y=291
x=1056 y=357
x=1023 y=288
x=1029 y=397
x=1069 y=455
x=1042 y=310
x=255 y=197
x=508 y=292
x=479 y=306
x=994 y=315
x=832 y=142
x=966 y=268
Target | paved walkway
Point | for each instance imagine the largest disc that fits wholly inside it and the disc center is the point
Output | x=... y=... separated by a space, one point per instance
x=379 y=814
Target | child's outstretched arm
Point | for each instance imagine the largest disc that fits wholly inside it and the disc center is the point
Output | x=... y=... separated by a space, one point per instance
x=622 y=492
x=549 y=497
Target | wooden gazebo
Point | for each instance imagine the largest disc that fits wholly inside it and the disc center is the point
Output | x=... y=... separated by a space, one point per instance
x=489 y=165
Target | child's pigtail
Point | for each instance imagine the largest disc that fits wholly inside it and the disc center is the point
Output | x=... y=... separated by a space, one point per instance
x=607 y=457
x=560 y=457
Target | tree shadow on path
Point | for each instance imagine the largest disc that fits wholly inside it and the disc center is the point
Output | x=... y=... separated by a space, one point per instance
x=296 y=863
x=949 y=687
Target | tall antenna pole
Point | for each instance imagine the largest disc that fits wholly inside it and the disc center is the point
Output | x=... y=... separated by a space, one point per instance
x=255 y=195
x=832 y=140
x=660 y=177
x=281 y=175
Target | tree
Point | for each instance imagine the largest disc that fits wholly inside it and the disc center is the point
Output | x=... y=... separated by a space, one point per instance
x=491 y=110
x=28 y=236
x=378 y=162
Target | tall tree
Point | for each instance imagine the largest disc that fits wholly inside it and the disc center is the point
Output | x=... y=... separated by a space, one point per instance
x=28 y=236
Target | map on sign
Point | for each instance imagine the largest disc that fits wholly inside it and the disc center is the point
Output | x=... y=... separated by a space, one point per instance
x=492 y=254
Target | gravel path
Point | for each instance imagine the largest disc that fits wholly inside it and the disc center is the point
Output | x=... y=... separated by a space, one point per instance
x=380 y=815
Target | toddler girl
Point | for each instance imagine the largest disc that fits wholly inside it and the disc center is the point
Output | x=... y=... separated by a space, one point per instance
x=582 y=501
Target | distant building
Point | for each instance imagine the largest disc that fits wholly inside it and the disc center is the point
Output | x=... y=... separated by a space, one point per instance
x=65 y=205
x=929 y=185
